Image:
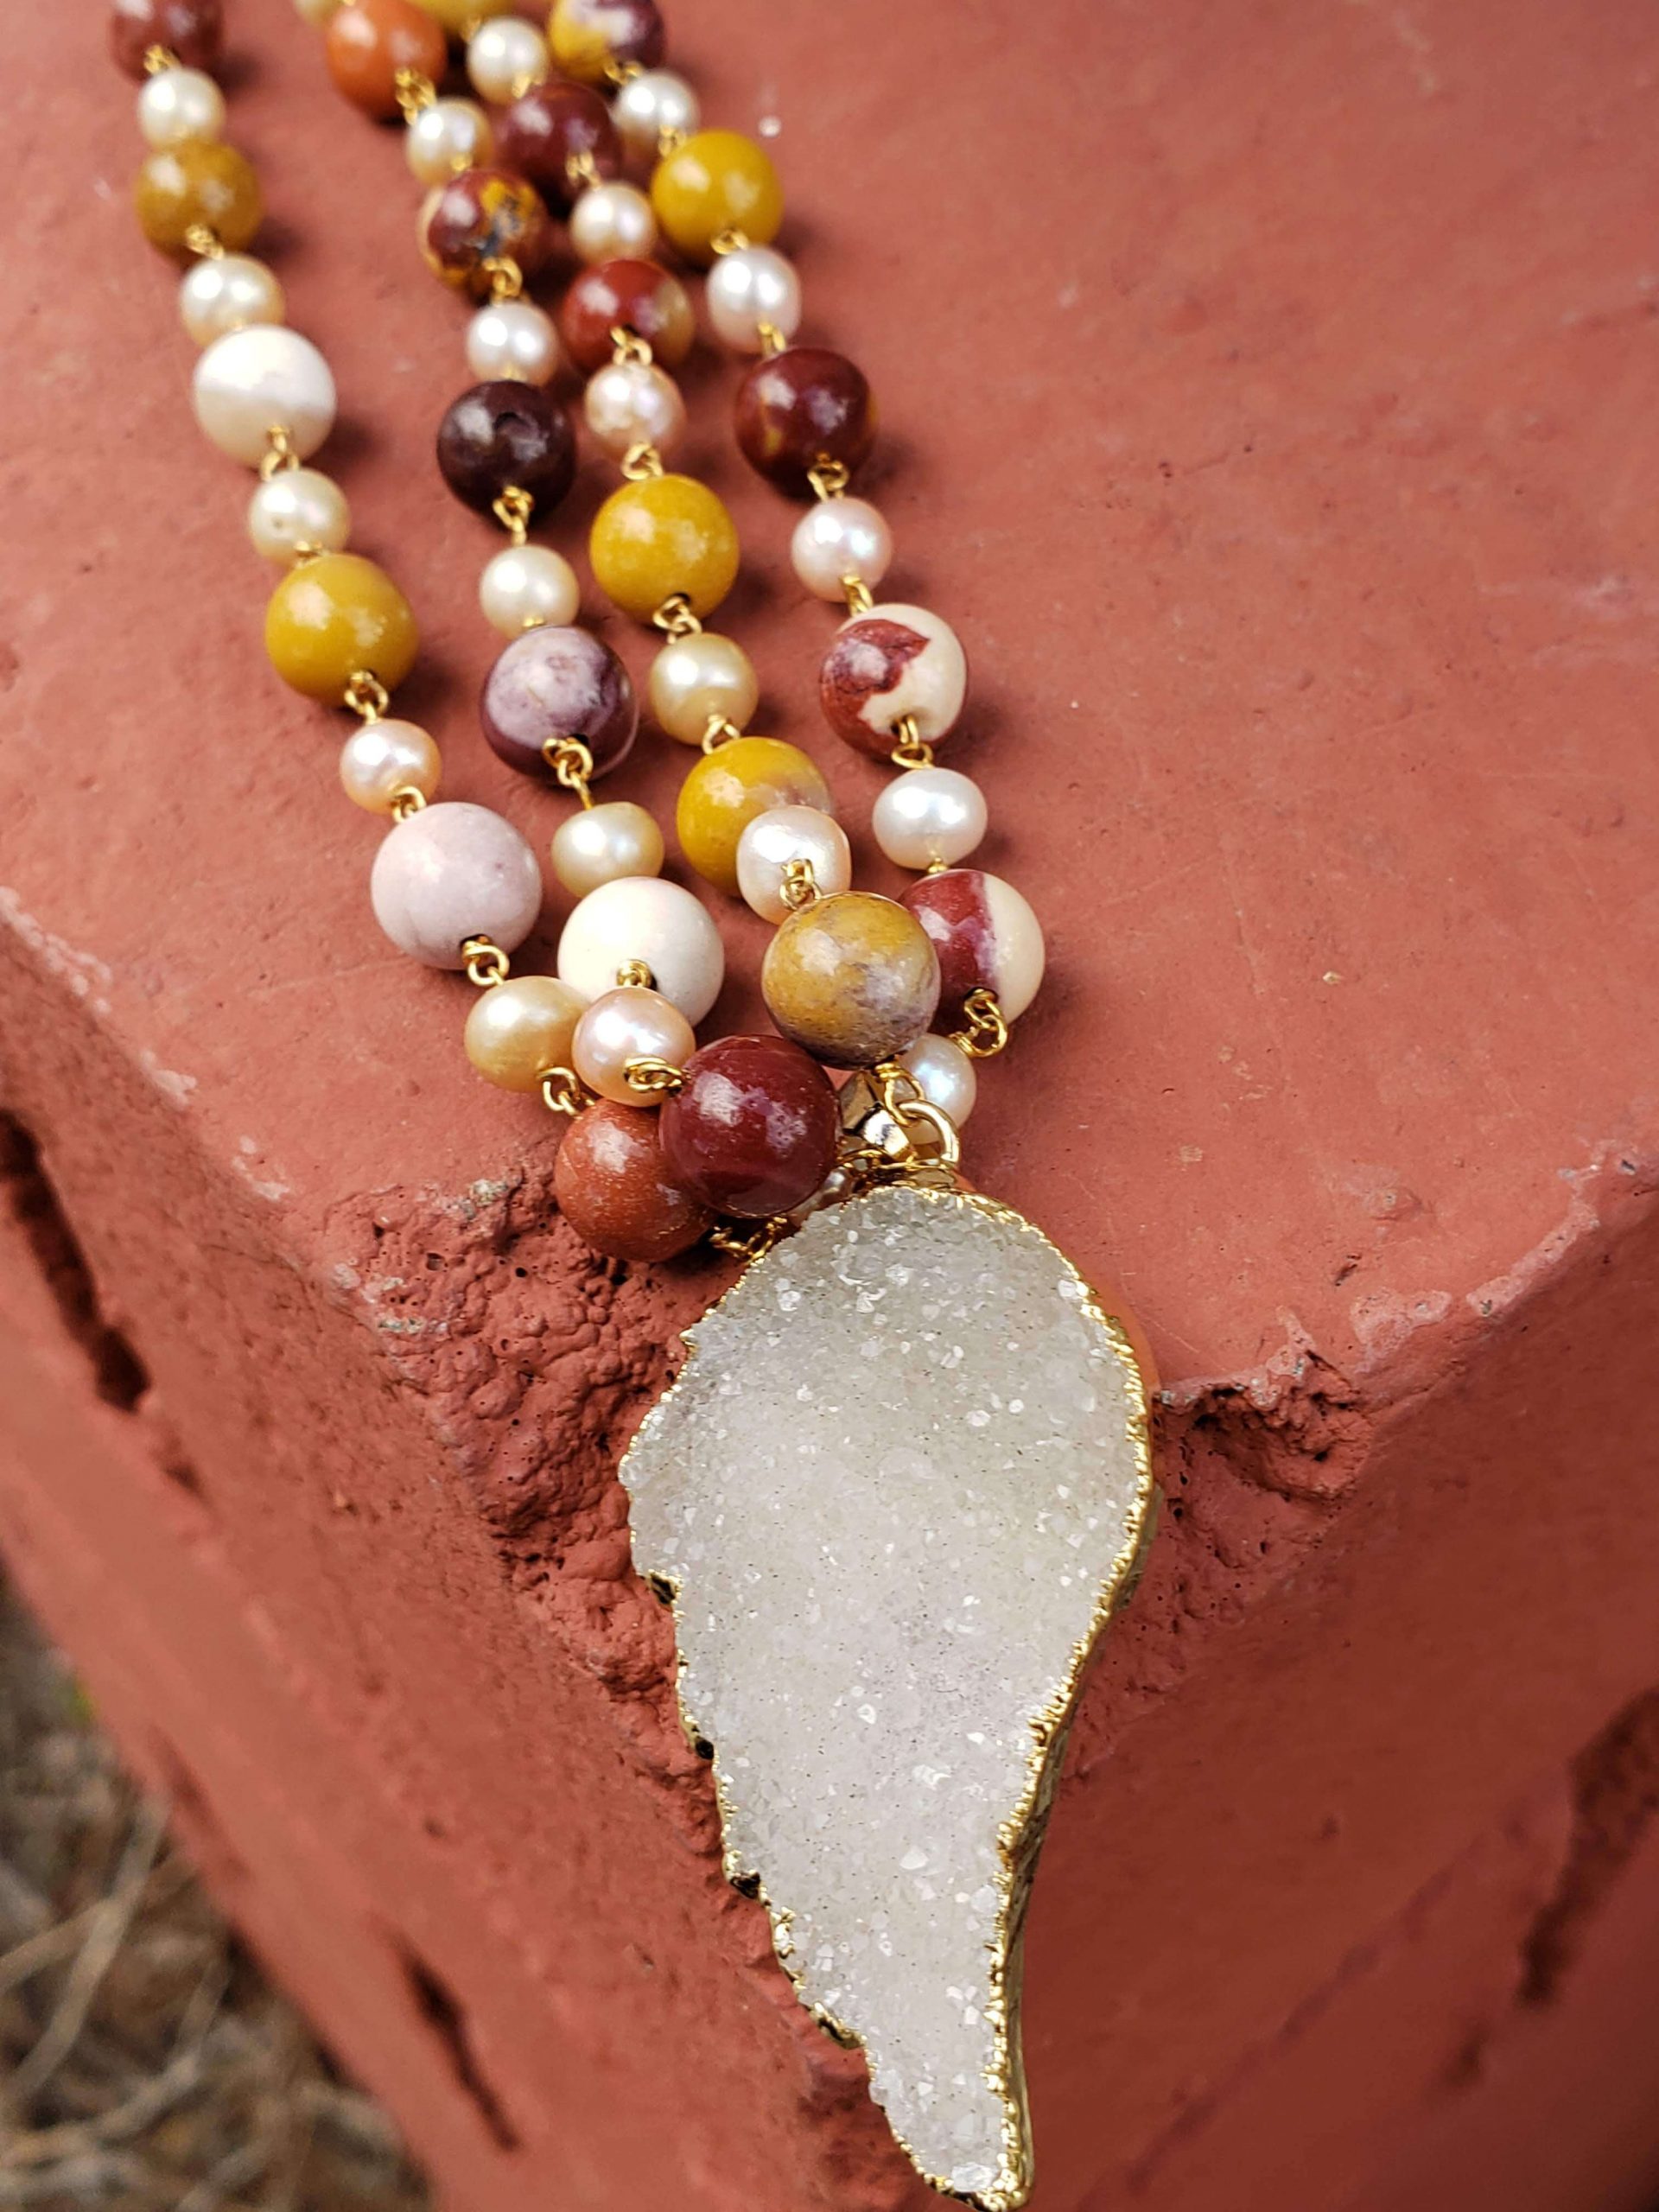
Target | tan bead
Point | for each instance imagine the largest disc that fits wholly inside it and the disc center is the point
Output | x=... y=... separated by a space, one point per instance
x=199 y=185
x=519 y=1029
x=602 y=844
x=728 y=787
x=853 y=979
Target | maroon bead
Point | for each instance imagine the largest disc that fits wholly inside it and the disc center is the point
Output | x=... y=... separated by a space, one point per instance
x=554 y=683
x=542 y=133
x=478 y=217
x=634 y=295
x=193 y=30
x=616 y=1190
x=801 y=407
x=504 y=434
x=953 y=908
x=753 y=1131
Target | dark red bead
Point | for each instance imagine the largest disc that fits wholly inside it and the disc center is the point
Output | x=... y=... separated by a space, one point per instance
x=542 y=133
x=480 y=216
x=634 y=295
x=192 y=30
x=554 y=683
x=753 y=1131
x=503 y=433
x=801 y=407
x=616 y=1190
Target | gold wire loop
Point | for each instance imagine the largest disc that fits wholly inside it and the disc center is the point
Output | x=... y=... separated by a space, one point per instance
x=204 y=240
x=572 y=763
x=829 y=479
x=622 y=72
x=773 y=340
x=654 y=1078
x=985 y=1032
x=906 y=1107
x=413 y=90
x=506 y=278
x=730 y=240
x=581 y=170
x=670 y=139
x=157 y=58
x=675 y=617
x=857 y=594
x=367 y=695
x=627 y=346
x=486 y=963
x=407 y=800
x=641 y=461
x=635 y=976
x=719 y=730
x=563 y=1091
x=800 y=885
x=279 y=454
x=912 y=750
x=513 y=510
x=749 y=1243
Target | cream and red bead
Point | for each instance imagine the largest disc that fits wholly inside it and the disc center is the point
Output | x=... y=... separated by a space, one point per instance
x=660 y=925
x=852 y=979
x=522 y=1028
x=788 y=854
x=986 y=936
x=602 y=844
x=621 y=1026
x=702 y=681
x=386 y=760
x=452 y=872
x=929 y=818
x=895 y=664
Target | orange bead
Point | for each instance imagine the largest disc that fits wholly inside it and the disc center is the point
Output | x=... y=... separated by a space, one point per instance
x=198 y=185
x=369 y=41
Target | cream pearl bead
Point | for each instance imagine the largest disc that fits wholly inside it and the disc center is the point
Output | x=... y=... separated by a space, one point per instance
x=505 y=58
x=603 y=843
x=263 y=378
x=784 y=834
x=929 y=817
x=632 y=403
x=385 y=758
x=180 y=107
x=641 y=917
x=840 y=538
x=453 y=871
x=445 y=135
x=524 y=586
x=755 y=285
x=650 y=104
x=299 y=508
x=695 y=677
x=513 y=338
x=629 y=1024
x=613 y=222
x=520 y=1029
x=227 y=292
x=944 y=1074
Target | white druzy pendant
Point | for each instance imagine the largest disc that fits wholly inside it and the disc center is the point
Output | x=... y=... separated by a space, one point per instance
x=898 y=1488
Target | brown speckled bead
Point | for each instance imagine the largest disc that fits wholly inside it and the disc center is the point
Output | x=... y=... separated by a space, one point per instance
x=801 y=406
x=540 y=132
x=591 y=37
x=985 y=934
x=183 y=186
x=480 y=216
x=614 y=1188
x=894 y=661
x=852 y=978
x=504 y=433
x=557 y=682
x=634 y=295
x=192 y=30
x=368 y=42
x=753 y=1132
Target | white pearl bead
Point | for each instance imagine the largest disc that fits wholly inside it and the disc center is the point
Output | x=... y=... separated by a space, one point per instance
x=642 y=918
x=266 y=376
x=928 y=816
x=646 y=105
x=601 y=844
x=505 y=58
x=228 y=292
x=697 y=676
x=446 y=136
x=633 y=402
x=524 y=586
x=625 y=1025
x=840 y=538
x=753 y=286
x=452 y=872
x=298 y=508
x=613 y=222
x=178 y=106
x=514 y=339
x=784 y=834
x=385 y=758
x=945 y=1074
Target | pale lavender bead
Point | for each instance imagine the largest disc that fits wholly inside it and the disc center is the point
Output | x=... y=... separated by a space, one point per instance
x=451 y=871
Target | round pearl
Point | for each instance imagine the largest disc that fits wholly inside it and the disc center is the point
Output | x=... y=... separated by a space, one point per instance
x=642 y=918
x=228 y=293
x=599 y=844
x=695 y=678
x=784 y=834
x=385 y=758
x=840 y=538
x=613 y=222
x=263 y=378
x=928 y=818
x=625 y=1025
x=506 y=58
x=299 y=507
x=514 y=339
x=945 y=1075
x=520 y=1029
x=177 y=105
x=452 y=872
x=650 y=104
x=631 y=404
x=750 y=287
x=525 y=586
x=446 y=136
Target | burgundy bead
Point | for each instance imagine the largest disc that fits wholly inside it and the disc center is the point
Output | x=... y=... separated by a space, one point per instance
x=193 y=30
x=801 y=407
x=634 y=295
x=481 y=216
x=503 y=433
x=553 y=683
x=953 y=908
x=616 y=1190
x=541 y=133
x=753 y=1131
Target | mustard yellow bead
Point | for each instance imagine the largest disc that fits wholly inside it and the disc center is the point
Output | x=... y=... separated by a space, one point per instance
x=663 y=534
x=458 y=16
x=718 y=181
x=852 y=979
x=591 y=38
x=334 y=615
x=728 y=787
x=181 y=187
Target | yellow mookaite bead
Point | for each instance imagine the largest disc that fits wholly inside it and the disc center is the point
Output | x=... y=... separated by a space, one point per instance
x=519 y=1029
x=660 y=535
x=212 y=186
x=591 y=38
x=719 y=180
x=853 y=978
x=728 y=787
x=458 y=16
x=333 y=616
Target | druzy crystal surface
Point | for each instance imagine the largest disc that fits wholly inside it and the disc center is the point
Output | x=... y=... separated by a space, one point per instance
x=902 y=1471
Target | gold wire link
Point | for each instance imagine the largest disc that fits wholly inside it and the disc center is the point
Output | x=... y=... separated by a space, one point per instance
x=829 y=479
x=800 y=885
x=572 y=764
x=486 y=963
x=278 y=455
x=628 y=345
x=906 y=1107
x=413 y=90
x=367 y=695
x=564 y=1092
x=912 y=750
x=641 y=461
x=406 y=800
x=718 y=731
x=157 y=58
x=203 y=239
x=675 y=617
x=506 y=278
x=654 y=1078
x=730 y=240
x=582 y=171
x=773 y=340
x=635 y=976
x=857 y=594
x=622 y=72
x=986 y=1033
x=513 y=510
x=670 y=139
x=749 y=1243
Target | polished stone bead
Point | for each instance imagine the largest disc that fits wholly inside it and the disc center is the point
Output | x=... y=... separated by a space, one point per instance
x=634 y=295
x=591 y=38
x=894 y=661
x=754 y=1131
x=192 y=30
x=853 y=979
x=452 y=872
x=460 y=18
x=728 y=787
x=552 y=683
x=659 y=924
x=801 y=407
x=987 y=937
x=504 y=434
x=368 y=43
x=544 y=130
x=481 y=216
x=333 y=616
x=519 y=1029
x=179 y=187
x=660 y=537
x=718 y=181
x=615 y=1190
